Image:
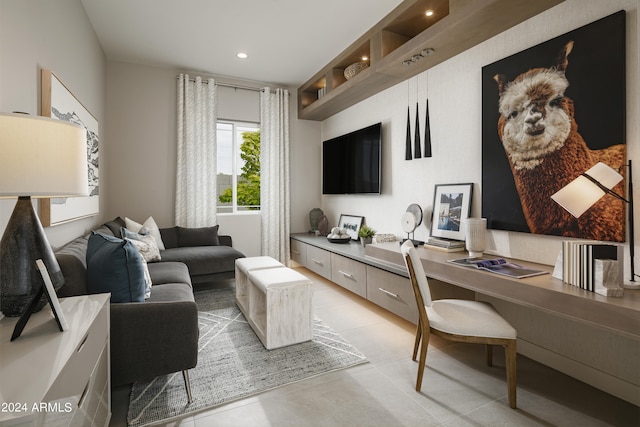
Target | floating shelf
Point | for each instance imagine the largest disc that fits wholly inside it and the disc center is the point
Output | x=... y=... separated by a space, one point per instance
x=456 y=25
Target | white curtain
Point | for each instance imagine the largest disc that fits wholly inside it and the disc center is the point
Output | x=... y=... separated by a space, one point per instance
x=196 y=152
x=274 y=173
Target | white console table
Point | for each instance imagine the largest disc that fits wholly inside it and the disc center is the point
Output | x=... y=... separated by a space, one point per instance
x=48 y=377
x=595 y=338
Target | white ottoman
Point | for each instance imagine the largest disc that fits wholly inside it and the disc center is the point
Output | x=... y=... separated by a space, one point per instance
x=243 y=267
x=280 y=306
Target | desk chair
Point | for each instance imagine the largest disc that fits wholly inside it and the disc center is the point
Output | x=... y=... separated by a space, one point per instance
x=457 y=320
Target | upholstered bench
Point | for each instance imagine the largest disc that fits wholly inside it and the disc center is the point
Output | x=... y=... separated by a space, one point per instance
x=279 y=306
x=243 y=267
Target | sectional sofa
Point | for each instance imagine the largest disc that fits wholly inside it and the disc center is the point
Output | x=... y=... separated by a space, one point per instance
x=159 y=335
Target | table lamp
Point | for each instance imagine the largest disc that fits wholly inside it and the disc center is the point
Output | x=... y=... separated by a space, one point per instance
x=584 y=191
x=39 y=157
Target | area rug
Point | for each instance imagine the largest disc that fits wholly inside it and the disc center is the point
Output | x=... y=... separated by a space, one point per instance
x=233 y=364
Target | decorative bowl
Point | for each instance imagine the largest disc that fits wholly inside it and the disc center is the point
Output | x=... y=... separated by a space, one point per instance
x=354 y=69
x=333 y=240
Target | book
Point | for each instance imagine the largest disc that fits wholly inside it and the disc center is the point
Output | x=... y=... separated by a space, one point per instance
x=445 y=243
x=498 y=266
x=428 y=245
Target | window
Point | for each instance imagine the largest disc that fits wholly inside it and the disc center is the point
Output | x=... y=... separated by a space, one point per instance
x=238 y=166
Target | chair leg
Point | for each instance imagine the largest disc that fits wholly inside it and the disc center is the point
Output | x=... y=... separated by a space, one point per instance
x=489 y=352
x=510 y=356
x=187 y=385
x=423 y=356
x=418 y=338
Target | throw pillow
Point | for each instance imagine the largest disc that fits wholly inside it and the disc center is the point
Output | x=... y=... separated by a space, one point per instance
x=204 y=236
x=144 y=243
x=147 y=280
x=115 y=265
x=151 y=226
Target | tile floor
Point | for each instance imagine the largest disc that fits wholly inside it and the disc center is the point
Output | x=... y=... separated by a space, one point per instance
x=458 y=388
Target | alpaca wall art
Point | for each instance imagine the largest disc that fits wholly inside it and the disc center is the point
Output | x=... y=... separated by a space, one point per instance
x=548 y=124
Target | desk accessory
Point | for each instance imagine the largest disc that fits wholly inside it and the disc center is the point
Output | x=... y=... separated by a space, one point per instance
x=410 y=220
x=584 y=191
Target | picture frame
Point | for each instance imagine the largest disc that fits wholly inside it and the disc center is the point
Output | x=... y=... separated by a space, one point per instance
x=49 y=291
x=352 y=224
x=58 y=102
x=451 y=205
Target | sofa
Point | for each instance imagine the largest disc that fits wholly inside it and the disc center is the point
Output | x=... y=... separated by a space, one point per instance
x=160 y=335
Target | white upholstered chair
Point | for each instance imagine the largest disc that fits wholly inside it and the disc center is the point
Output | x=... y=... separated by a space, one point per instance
x=458 y=320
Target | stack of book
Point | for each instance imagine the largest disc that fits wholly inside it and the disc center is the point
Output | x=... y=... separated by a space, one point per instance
x=583 y=261
x=446 y=245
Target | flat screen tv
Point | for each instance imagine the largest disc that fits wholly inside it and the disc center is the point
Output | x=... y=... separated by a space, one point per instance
x=351 y=162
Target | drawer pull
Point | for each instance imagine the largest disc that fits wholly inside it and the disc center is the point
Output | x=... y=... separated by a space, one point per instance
x=388 y=293
x=320 y=263
x=296 y=252
x=345 y=274
x=83 y=342
x=84 y=394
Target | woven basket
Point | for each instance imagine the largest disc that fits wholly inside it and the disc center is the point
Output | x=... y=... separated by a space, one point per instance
x=354 y=69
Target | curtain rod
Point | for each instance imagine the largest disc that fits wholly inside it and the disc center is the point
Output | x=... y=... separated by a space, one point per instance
x=255 y=89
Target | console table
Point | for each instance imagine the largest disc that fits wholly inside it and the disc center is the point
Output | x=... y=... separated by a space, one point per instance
x=48 y=377
x=583 y=334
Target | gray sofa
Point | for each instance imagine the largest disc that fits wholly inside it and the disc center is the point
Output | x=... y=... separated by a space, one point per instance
x=160 y=335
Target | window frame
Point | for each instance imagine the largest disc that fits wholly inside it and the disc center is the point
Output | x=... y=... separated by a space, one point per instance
x=236 y=167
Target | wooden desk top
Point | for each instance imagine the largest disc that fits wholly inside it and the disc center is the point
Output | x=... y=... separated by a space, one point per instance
x=545 y=293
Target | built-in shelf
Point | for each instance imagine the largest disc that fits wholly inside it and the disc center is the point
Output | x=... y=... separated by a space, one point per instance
x=406 y=33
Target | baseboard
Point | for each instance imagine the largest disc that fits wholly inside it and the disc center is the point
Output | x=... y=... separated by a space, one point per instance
x=601 y=380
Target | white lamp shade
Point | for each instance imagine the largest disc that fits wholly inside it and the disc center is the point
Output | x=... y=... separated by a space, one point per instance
x=580 y=194
x=42 y=157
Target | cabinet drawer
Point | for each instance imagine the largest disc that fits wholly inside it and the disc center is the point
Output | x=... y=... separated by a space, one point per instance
x=299 y=252
x=392 y=292
x=349 y=274
x=73 y=377
x=319 y=261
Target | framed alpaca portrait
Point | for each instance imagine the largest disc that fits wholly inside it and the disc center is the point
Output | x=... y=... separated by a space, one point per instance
x=549 y=113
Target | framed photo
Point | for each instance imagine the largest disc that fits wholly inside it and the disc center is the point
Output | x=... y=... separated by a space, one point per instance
x=352 y=224
x=59 y=103
x=451 y=204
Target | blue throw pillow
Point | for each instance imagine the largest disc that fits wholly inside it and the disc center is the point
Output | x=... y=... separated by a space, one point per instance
x=115 y=265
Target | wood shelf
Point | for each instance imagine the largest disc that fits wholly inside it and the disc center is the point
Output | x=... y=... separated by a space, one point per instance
x=456 y=26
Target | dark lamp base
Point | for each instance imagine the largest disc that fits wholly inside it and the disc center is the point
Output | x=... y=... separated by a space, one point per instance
x=23 y=242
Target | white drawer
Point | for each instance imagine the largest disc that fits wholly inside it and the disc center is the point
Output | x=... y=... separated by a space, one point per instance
x=299 y=252
x=392 y=292
x=349 y=274
x=319 y=261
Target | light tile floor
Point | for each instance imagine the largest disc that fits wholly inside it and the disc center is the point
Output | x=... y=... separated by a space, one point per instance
x=458 y=388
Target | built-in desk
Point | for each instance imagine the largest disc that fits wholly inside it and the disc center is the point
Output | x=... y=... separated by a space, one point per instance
x=583 y=334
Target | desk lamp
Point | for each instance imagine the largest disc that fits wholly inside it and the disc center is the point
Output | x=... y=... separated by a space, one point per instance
x=39 y=157
x=584 y=191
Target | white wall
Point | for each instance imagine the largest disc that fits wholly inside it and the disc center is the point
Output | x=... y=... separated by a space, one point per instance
x=141 y=117
x=56 y=35
x=454 y=92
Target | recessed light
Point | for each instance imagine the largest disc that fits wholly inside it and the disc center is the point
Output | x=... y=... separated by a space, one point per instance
x=429 y=13
x=364 y=58
x=242 y=55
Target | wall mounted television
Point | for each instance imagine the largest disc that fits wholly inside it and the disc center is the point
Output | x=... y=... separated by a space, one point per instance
x=351 y=163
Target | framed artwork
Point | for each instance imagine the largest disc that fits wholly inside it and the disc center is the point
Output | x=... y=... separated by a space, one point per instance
x=352 y=224
x=451 y=204
x=530 y=150
x=59 y=103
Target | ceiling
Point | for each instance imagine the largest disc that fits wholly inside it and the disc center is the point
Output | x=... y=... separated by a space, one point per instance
x=287 y=41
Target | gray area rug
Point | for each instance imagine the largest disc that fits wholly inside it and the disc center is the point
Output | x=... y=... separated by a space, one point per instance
x=233 y=364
